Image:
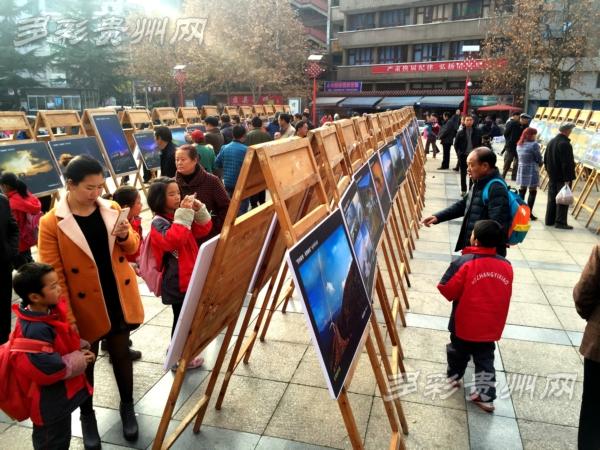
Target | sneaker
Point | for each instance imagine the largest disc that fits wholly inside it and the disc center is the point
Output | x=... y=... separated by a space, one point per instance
x=195 y=363
x=485 y=406
x=442 y=168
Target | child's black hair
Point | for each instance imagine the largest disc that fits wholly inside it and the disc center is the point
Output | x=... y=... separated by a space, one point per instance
x=125 y=196
x=489 y=233
x=157 y=194
x=29 y=280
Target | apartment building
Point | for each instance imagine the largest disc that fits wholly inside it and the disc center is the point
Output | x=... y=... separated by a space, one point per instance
x=408 y=52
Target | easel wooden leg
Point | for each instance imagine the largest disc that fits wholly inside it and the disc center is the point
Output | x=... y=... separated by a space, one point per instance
x=396 y=300
x=348 y=416
x=277 y=299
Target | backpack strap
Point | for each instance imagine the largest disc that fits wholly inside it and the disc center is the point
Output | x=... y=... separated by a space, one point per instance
x=26 y=345
x=486 y=190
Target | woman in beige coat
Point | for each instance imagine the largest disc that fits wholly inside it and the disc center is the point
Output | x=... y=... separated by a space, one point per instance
x=80 y=238
x=587 y=301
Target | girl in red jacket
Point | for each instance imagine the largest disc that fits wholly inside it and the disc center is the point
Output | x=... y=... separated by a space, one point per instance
x=22 y=203
x=176 y=225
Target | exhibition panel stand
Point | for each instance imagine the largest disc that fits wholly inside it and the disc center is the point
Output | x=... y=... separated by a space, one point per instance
x=164 y=116
x=260 y=111
x=231 y=110
x=133 y=121
x=15 y=121
x=57 y=124
x=209 y=110
x=246 y=111
x=188 y=115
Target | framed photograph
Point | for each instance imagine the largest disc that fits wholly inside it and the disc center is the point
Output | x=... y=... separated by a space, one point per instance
x=66 y=148
x=409 y=145
x=592 y=154
x=399 y=154
x=112 y=140
x=178 y=136
x=358 y=225
x=370 y=201
x=148 y=149
x=387 y=164
x=34 y=165
x=334 y=300
x=196 y=126
x=380 y=185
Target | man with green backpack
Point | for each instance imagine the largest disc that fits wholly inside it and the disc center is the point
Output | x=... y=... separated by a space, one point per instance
x=488 y=198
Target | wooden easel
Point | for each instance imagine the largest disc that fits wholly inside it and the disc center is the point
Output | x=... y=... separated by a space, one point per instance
x=279 y=108
x=246 y=112
x=270 y=109
x=166 y=116
x=209 y=110
x=188 y=115
x=133 y=120
x=286 y=108
x=290 y=168
x=231 y=110
x=259 y=110
x=15 y=121
x=50 y=121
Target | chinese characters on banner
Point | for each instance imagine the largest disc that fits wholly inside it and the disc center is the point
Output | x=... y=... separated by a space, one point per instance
x=248 y=100
x=107 y=30
x=438 y=66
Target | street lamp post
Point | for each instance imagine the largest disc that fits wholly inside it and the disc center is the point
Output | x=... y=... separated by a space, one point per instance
x=180 y=77
x=313 y=71
x=468 y=50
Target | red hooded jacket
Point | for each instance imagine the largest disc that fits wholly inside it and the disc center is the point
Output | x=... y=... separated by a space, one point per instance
x=54 y=392
x=136 y=225
x=20 y=207
x=480 y=284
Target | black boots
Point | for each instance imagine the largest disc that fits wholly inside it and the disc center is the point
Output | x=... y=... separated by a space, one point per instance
x=130 y=425
x=530 y=203
x=89 y=429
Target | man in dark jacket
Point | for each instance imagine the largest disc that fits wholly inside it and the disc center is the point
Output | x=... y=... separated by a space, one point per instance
x=560 y=166
x=9 y=249
x=446 y=137
x=226 y=128
x=482 y=169
x=164 y=141
x=213 y=135
x=467 y=138
x=512 y=134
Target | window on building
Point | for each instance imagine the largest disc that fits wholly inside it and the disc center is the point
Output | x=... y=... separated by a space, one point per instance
x=564 y=80
x=72 y=102
x=456 y=84
x=335 y=2
x=598 y=81
x=361 y=21
x=430 y=85
x=428 y=52
x=360 y=56
x=434 y=13
x=504 y=6
x=456 y=49
x=391 y=54
x=390 y=86
x=470 y=9
x=394 y=17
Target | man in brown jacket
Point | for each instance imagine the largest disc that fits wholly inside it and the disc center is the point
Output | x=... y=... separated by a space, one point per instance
x=587 y=301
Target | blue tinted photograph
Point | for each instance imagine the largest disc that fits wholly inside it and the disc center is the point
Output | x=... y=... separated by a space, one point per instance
x=66 y=149
x=380 y=186
x=178 y=136
x=148 y=149
x=113 y=139
x=370 y=202
x=388 y=169
x=334 y=297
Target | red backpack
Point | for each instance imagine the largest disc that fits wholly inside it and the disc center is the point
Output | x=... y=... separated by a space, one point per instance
x=30 y=231
x=15 y=399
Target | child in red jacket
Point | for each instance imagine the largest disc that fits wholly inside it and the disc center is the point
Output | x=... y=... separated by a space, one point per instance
x=58 y=383
x=479 y=283
x=176 y=226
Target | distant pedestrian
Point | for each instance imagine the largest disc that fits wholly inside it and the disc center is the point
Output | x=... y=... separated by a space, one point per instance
x=512 y=134
x=530 y=161
x=230 y=159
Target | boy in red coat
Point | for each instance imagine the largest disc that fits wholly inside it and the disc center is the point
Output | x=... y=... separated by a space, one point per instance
x=479 y=283
x=58 y=383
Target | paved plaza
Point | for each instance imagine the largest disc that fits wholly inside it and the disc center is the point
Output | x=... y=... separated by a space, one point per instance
x=280 y=401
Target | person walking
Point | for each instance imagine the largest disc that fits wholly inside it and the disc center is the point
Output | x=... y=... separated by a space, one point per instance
x=9 y=250
x=467 y=138
x=164 y=142
x=213 y=135
x=447 y=135
x=26 y=208
x=560 y=166
x=230 y=159
x=82 y=240
x=472 y=207
x=586 y=295
x=512 y=134
x=530 y=161
x=432 y=127
x=257 y=135
x=205 y=151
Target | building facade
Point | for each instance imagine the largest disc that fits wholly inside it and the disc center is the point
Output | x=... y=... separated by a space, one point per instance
x=409 y=47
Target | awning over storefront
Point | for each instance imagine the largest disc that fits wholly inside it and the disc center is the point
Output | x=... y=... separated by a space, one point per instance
x=329 y=101
x=360 y=102
x=397 y=102
x=441 y=101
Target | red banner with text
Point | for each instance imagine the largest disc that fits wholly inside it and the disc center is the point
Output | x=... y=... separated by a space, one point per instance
x=248 y=100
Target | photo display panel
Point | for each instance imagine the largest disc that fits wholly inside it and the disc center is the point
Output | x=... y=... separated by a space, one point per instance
x=33 y=164
x=112 y=137
x=592 y=154
x=148 y=149
x=399 y=158
x=414 y=132
x=387 y=155
x=380 y=185
x=69 y=148
x=334 y=300
x=178 y=136
x=358 y=224
x=370 y=201
x=409 y=146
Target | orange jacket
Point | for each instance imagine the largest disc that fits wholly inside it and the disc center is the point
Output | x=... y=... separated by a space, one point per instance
x=63 y=246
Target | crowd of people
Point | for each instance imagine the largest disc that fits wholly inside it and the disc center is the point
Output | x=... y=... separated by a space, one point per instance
x=82 y=293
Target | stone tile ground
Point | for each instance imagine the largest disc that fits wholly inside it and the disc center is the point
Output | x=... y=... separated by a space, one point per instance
x=279 y=400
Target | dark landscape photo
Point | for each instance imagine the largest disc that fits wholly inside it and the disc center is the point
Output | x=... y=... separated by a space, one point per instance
x=380 y=185
x=148 y=149
x=33 y=163
x=388 y=169
x=113 y=139
x=333 y=296
x=69 y=148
